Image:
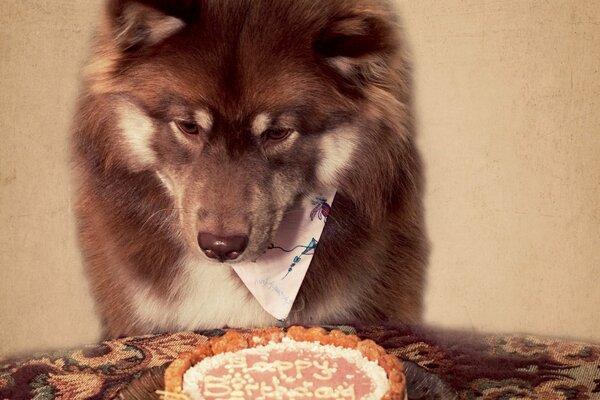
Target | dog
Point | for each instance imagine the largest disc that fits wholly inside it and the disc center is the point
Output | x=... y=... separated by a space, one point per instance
x=202 y=122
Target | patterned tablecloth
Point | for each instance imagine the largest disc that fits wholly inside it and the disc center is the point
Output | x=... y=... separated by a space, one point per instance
x=476 y=366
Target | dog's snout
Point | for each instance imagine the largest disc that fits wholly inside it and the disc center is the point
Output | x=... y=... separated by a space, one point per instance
x=223 y=248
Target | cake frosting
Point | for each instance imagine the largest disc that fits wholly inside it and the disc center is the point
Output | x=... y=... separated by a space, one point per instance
x=287 y=370
x=298 y=364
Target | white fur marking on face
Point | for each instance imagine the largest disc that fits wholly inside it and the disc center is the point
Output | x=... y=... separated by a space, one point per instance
x=204 y=119
x=137 y=130
x=167 y=183
x=337 y=147
x=261 y=123
x=344 y=64
x=174 y=191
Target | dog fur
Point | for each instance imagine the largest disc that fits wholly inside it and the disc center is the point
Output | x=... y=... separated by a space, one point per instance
x=218 y=116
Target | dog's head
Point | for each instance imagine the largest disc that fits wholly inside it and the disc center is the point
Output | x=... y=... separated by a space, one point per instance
x=239 y=108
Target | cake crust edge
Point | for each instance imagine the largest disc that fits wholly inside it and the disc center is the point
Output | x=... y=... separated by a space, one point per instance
x=233 y=341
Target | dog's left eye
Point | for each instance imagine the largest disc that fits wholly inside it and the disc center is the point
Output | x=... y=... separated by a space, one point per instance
x=187 y=127
x=277 y=135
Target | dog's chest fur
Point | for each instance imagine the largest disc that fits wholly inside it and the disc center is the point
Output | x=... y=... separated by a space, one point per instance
x=208 y=295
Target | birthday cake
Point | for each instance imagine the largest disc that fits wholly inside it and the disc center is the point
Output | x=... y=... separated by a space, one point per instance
x=297 y=364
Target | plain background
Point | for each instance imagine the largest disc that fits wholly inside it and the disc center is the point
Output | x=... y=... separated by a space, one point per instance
x=509 y=117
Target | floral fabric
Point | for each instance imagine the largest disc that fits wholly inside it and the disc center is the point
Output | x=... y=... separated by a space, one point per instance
x=494 y=367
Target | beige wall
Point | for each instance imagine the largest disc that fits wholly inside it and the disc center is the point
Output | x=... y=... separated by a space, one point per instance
x=508 y=103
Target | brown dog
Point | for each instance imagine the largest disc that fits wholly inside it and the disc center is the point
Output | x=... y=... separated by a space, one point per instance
x=202 y=122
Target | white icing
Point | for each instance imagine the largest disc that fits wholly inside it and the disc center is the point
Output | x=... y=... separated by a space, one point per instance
x=286 y=370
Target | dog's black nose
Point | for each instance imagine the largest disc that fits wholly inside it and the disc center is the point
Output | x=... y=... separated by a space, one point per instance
x=223 y=248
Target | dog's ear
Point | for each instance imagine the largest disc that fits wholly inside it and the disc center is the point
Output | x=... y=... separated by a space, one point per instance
x=138 y=24
x=357 y=38
x=130 y=27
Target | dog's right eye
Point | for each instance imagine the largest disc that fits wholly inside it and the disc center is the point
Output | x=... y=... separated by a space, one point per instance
x=187 y=127
x=276 y=135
